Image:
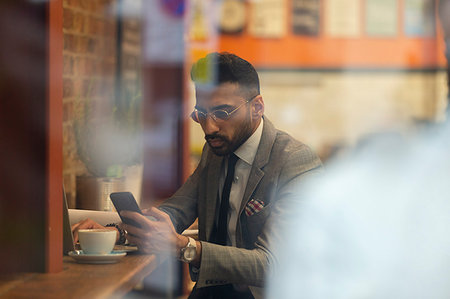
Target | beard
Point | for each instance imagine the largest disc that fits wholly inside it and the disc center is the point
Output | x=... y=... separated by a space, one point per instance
x=223 y=146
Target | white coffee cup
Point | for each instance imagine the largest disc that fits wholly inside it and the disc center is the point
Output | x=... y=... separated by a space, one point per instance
x=97 y=241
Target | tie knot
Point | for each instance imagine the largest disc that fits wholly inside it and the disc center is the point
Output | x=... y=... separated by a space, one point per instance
x=232 y=160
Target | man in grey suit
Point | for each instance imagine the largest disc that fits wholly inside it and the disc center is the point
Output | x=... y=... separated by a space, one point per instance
x=270 y=167
x=241 y=190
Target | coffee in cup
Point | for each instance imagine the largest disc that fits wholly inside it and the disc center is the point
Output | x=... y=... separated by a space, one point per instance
x=97 y=241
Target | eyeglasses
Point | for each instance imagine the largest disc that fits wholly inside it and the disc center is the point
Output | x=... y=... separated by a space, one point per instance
x=217 y=115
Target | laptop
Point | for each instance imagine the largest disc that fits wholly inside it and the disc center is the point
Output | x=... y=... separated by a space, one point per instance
x=68 y=243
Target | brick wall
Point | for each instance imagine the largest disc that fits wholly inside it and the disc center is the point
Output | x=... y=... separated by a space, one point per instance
x=89 y=30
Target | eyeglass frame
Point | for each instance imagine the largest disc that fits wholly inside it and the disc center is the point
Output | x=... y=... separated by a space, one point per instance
x=215 y=118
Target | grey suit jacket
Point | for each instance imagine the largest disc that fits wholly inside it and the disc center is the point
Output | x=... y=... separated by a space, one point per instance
x=280 y=167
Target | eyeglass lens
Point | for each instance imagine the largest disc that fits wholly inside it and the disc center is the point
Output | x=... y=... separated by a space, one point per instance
x=199 y=116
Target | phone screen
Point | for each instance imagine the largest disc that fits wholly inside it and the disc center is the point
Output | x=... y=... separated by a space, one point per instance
x=124 y=201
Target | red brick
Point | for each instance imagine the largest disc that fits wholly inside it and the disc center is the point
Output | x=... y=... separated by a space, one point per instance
x=101 y=6
x=92 y=23
x=66 y=128
x=108 y=2
x=78 y=66
x=100 y=27
x=110 y=48
x=91 y=45
x=68 y=19
x=70 y=42
x=93 y=6
x=78 y=88
x=67 y=111
x=75 y=3
x=82 y=44
x=67 y=88
x=89 y=67
x=96 y=47
x=82 y=67
x=94 y=58
x=110 y=28
x=67 y=65
x=86 y=4
x=78 y=22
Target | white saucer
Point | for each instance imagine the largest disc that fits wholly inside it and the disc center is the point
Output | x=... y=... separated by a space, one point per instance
x=88 y=258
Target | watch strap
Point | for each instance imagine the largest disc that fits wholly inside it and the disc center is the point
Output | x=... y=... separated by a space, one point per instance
x=122 y=239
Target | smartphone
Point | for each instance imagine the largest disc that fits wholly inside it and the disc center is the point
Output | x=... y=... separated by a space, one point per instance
x=124 y=201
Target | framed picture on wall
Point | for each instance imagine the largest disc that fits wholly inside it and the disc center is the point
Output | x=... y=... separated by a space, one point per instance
x=419 y=18
x=268 y=18
x=306 y=17
x=343 y=18
x=381 y=18
x=232 y=16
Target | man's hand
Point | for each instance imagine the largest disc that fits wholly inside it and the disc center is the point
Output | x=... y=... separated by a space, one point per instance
x=154 y=236
x=88 y=224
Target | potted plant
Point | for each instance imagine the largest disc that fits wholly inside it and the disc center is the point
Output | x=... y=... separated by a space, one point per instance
x=108 y=145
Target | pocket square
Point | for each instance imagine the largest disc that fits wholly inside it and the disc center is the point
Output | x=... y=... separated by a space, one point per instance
x=254 y=206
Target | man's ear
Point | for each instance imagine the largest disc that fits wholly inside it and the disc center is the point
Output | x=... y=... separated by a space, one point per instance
x=258 y=107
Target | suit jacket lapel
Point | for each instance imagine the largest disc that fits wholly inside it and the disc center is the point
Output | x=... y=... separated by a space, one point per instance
x=261 y=159
x=212 y=193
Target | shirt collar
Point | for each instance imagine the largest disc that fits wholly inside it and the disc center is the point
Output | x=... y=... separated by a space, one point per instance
x=247 y=151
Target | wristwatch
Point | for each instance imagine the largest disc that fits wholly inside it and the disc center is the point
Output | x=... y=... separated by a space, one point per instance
x=189 y=252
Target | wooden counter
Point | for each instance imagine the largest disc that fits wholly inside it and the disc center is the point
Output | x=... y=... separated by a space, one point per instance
x=81 y=280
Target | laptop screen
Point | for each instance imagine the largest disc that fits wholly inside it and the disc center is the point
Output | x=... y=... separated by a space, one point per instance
x=68 y=244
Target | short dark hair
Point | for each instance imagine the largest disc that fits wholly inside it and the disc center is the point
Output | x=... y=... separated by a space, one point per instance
x=217 y=68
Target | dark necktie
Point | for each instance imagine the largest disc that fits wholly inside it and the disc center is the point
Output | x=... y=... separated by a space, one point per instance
x=222 y=229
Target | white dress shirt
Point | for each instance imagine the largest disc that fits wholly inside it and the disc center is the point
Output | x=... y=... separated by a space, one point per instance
x=246 y=153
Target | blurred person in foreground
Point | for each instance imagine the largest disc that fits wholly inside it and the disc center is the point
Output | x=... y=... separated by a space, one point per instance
x=238 y=213
x=376 y=225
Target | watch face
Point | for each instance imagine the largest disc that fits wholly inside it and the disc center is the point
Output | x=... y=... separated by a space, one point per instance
x=189 y=253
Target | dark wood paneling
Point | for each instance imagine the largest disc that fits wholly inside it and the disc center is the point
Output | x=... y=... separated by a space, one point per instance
x=24 y=137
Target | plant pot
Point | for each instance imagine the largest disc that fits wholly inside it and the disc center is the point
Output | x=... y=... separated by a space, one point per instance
x=93 y=192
